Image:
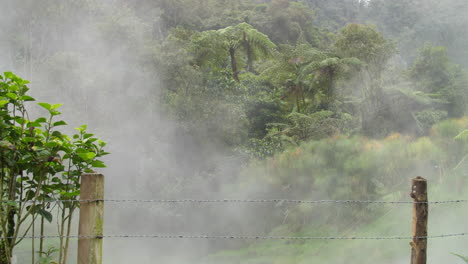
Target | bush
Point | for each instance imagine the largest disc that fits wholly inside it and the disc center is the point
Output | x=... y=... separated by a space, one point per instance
x=38 y=163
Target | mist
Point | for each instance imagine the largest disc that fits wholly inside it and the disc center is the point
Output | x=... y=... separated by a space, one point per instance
x=118 y=66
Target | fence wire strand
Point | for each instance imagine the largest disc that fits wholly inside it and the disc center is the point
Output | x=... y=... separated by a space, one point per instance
x=241 y=237
x=240 y=201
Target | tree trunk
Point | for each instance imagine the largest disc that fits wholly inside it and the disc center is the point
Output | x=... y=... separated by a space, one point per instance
x=248 y=50
x=235 y=73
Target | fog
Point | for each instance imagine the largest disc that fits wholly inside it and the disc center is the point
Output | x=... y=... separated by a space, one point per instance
x=95 y=58
x=95 y=71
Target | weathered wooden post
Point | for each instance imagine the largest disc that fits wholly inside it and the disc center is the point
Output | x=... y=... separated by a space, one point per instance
x=90 y=229
x=420 y=216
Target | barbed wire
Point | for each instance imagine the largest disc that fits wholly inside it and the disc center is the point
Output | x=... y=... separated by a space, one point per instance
x=238 y=201
x=249 y=237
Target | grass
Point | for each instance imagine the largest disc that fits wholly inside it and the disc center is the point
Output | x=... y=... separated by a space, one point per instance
x=395 y=220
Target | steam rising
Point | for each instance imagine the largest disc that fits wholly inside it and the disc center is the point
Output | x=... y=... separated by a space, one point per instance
x=91 y=59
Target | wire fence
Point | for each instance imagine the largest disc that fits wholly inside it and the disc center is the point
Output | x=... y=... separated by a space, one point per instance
x=239 y=201
x=241 y=237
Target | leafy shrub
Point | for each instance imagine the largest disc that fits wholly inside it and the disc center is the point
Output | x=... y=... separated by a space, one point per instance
x=38 y=163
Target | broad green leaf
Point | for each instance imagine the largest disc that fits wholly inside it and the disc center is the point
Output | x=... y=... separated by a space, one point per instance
x=98 y=164
x=51 y=144
x=47 y=215
x=87 y=155
x=33 y=124
x=29 y=139
x=91 y=140
x=60 y=123
x=41 y=120
x=20 y=120
x=27 y=98
x=57 y=134
x=13 y=88
x=12 y=203
x=3 y=103
x=9 y=75
x=54 y=112
x=45 y=106
x=81 y=150
x=12 y=96
x=55 y=106
x=82 y=128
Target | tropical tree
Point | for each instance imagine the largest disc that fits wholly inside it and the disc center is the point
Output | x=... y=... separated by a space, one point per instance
x=327 y=69
x=229 y=42
x=309 y=75
x=435 y=75
x=365 y=43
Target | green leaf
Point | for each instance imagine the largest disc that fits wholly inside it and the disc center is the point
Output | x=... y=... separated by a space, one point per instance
x=60 y=123
x=87 y=155
x=57 y=134
x=91 y=140
x=9 y=75
x=3 y=103
x=33 y=124
x=47 y=215
x=12 y=96
x=27 y=98
x=55 y=106
x=54 y=112
x=20 y=120
x=101 y=143
x=51 y=144
x=82 y=128
x=29 y=139
x=98 y=164
x=13 y=87
x=12 y=203
x=41 y=120
x=45 y=106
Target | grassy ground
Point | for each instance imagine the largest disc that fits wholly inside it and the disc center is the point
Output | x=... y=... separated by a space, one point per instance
x=395 y=220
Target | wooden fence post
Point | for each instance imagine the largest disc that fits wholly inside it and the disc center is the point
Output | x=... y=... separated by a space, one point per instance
x=90 y=229
x=420 y=216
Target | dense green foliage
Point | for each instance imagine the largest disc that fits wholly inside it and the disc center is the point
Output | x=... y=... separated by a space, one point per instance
x=339 y=109
x=345 y=73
